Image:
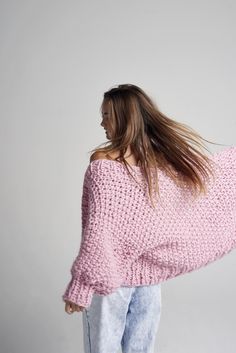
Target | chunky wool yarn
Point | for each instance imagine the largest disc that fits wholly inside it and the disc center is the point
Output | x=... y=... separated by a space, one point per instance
x=126 y=242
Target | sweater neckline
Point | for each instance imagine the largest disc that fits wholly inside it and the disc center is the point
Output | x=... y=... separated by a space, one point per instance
x=117 y=163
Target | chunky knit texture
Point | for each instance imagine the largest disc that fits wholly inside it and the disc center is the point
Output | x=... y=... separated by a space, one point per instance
x=126 y=242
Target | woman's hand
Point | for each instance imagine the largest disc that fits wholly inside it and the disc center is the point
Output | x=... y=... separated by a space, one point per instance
x=71 y=307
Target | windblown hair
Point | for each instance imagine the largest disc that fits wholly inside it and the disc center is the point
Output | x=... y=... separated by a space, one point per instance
x=155 y=140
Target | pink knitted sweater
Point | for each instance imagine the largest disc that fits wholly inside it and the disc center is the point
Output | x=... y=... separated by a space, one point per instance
x=125 y=242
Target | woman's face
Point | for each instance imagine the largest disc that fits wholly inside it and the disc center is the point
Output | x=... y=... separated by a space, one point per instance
x=106 y=120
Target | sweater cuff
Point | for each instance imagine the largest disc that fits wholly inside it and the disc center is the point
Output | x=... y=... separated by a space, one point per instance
x=78 y=293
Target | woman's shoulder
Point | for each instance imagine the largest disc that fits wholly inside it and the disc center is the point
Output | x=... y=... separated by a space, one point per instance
x=97 y=155
x=102 y=167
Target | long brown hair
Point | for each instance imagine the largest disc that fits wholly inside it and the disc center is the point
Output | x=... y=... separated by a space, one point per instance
x=155 y=140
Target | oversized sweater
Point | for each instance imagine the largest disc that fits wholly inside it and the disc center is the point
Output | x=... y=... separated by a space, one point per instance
x=126 y=242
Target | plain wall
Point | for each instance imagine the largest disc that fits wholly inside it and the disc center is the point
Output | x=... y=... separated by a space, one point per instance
x=57 y=59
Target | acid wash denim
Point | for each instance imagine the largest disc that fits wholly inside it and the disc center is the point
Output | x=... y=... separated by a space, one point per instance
x=126 y=320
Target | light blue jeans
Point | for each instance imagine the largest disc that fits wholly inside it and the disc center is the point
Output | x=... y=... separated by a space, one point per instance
x=126 y=319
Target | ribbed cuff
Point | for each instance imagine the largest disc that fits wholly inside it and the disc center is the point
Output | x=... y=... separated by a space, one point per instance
x=78 y=293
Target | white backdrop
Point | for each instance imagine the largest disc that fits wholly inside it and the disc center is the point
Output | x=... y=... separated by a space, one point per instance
x=57 y=59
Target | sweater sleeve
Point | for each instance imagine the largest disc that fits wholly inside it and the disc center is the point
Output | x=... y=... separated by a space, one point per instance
x=94 y=270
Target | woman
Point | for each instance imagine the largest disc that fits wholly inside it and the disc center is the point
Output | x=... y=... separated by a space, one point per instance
x=153 y=207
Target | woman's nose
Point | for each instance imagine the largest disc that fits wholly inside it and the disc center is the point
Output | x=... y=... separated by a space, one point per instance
x=103 y=125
